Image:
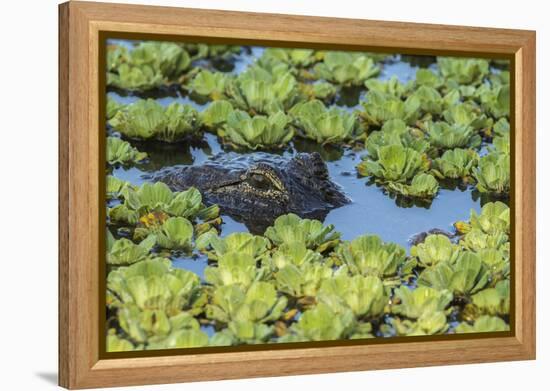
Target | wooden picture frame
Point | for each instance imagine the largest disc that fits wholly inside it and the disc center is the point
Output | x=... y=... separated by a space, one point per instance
x=81 y=25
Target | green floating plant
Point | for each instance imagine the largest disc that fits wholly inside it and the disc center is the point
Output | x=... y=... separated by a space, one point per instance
x=241 y=242
x=425 y=77
x=201 y=50
x=116 y=187
x=258 y=90
x=209 y=84
x=466 y=276
x=124 y=252
x=456 y=164
x=483 y=324
x=147 y=120
x=154 y=301
x=367 y=255
x=490 y=301
x=445 y=136
x=422 y=301
x=466 y=115
x=395 y=132
x=366 y=296
x=434 y=250
x=321 y=324
x=246 y=312
x=147 y=66
x=379 y=108
x=173 y=233
x=463 y=70
x=293 y=253
x=259 y=131
x=495 y=100
x=320 y=90
x=391 y=87
x=427 y=324
x=216 y=114
x=151 y=204
x=297 y=58
x=234 y=268
x=346 y=68
x=313 y=234
x=423 y=186
x=112 y=107
x=316 y=122
x=302 y=281
x=122 y=152
x=493 y=174
x=395 y=163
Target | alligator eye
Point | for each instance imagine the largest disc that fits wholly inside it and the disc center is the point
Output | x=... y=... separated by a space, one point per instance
x=259 y=181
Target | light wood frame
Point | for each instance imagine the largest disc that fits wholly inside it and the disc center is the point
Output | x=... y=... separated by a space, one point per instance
x=80 y=24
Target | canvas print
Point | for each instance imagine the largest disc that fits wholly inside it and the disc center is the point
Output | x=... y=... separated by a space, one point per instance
x=263 y=195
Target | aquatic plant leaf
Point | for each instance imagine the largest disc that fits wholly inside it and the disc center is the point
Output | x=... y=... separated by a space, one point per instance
x=380 y=107
x=122 y=152
x=484 y=324
x=493 y=218
x=391 y=87
x=435 y=249
x=394 y=132
x=364 y=296
x=216 y=114
x=189 y=338
x=395 y=163
x=125 y=252
x=303 y=280
x=420 y=301
x=147 y=119
x=466 y=115
x=317 y=122
x=293 y=253
x=346 y=68
x=493 y=174
x=443 y=135
x=241 y=242
x=233 y=268
x=175 y=233
x=456 y=163
x=427 y=324
x=117 y=344
x=466 y=276
x=290 y=228
x=493 y=301
x=425 y=77
x=211 y=84
x=469 y=71
x=423 y=186
x=258 y=131
x=367 y=255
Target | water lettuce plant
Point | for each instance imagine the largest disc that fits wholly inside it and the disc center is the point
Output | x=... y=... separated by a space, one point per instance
x=346 y=68
x=423 y=186
x=427 y=324
x=421 y=301
x=445 y=136
x=149 y=65
x=493 y=174
x=302 y=281
x=313 y=234
x=216 y=114
x=434 y=250
x=147 y=119
x=157 y=197
x=367 y=255
x=240 y=242
x=395 y=163
x=122 y=152
x=320 y=324
x=395 y=132
x=483 y=324
x=426 y=77
x=459 y=71
x=246 y=311
x=391 y=87
x=125 y=252
x=467 y=115
x=293 y=253
x=234 y=268
x=455 y=164
x=379 y=108
x=314 y=121
x=258 y=131
x=366 y=296
x=210 y=84
x=297 y=58
x=174 y=233
x=259 y=91
x=466 y=276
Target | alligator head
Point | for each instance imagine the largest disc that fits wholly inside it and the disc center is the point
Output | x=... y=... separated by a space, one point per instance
x=257 y=188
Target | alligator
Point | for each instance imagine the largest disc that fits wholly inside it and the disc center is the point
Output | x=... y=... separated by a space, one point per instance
x=256 y=188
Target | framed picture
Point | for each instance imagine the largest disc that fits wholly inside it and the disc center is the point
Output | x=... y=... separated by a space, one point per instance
x=247 y=195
